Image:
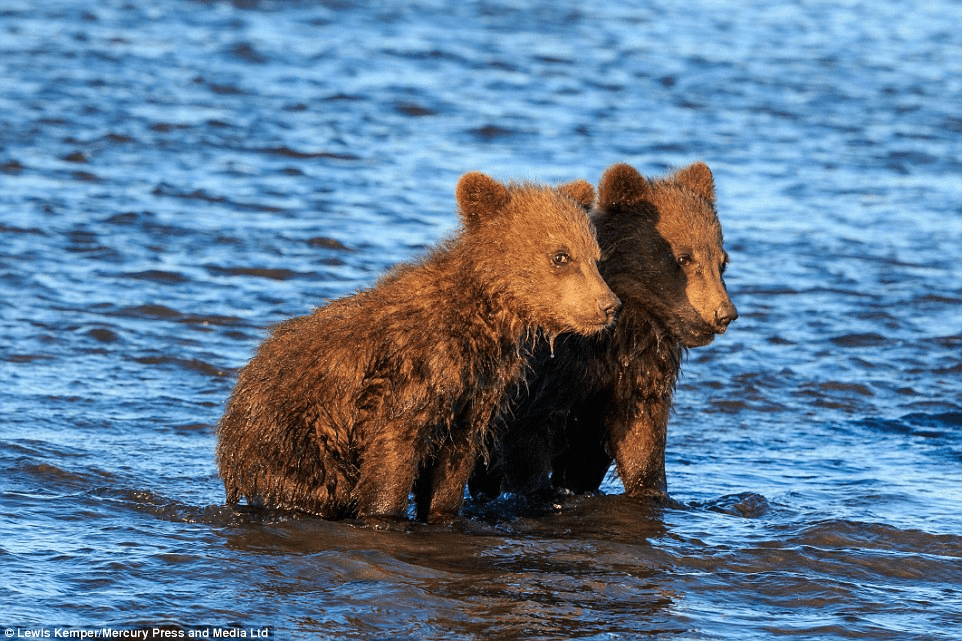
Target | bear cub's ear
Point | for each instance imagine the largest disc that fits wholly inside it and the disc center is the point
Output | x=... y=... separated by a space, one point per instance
x=581 y=191
x=621 y=184
x=697 y=177
x=480 y=197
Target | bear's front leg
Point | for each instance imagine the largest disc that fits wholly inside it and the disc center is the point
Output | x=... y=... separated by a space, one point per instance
x=387 y=475
x=439 y=492
x=583 y=456
x=638 y=445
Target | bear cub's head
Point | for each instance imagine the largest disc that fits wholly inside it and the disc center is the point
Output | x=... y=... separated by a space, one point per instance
x=535 y=248
x=664 y=249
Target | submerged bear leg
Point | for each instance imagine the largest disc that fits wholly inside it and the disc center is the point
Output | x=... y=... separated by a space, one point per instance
x=439 y=492
x=387 y=477
x=638 y=446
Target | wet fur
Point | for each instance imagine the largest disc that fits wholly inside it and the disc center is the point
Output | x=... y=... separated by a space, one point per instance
x=341 y=411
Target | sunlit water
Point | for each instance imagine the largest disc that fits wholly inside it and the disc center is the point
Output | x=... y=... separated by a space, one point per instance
x=177 y=176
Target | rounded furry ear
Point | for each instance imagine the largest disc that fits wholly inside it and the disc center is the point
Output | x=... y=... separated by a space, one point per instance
x=580 y=190
x=621 y=184
x=697 y=177
x=479 y=197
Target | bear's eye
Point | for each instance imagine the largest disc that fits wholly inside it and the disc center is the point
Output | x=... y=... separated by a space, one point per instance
x=561 y=258
x=684 y=260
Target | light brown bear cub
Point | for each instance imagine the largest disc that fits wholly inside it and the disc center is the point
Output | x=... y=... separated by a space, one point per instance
x=345 y=411
x=608 y=396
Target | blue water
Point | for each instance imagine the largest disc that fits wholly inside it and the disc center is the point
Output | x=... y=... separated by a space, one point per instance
x=177 y=176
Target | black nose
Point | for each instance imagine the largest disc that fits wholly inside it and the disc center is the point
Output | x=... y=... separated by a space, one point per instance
x=610 y=306
x=724 y=316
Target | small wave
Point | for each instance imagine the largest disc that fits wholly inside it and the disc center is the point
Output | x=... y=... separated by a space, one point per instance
x=937 y=425
x=877 y=536
x=748 y=505
x=53 y=479
x=951 y=419
x=148 y=502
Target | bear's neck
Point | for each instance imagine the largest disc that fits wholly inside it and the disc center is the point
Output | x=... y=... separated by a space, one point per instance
x=647 y=352
x=491 y=333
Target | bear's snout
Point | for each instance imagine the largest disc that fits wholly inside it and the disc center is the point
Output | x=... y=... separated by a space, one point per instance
x=724 y=316
x=610 y=306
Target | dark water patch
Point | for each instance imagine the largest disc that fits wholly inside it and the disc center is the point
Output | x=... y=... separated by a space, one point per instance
x=259 y=272
x=343 y=97
x=414 y=110
x=164 y=189
x=167 y=127
x=328 y=243
x=126 y=218
x=28 y=358
x=6 y=229
x=162 y=312
x=308 y=155
x=159 y=312
x=940 y=425
x=845 y=388
x=493 y=132
x=85 y=176
x=103 y=335
x=108 y=139
x=157 y=275
x=193 y=365
x=869 y=339
x=11 y=167
x=943 y=419
x=248 y=53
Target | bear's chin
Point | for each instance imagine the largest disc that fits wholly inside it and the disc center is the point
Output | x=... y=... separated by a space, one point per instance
x=695 y=336
x=699 y=340
x=583 y=326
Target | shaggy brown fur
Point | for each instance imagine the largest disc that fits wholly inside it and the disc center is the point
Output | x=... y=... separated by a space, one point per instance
x=609 y=396
x=339 y=411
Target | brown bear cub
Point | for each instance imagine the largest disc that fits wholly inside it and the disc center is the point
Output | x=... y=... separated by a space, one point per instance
x=345 y=411
x=608 y=396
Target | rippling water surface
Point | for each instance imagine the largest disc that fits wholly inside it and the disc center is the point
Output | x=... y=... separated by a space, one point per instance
x=177 y=176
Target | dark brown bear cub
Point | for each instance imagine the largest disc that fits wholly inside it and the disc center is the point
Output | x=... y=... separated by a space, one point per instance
x=341 y=411
x=608 y=396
